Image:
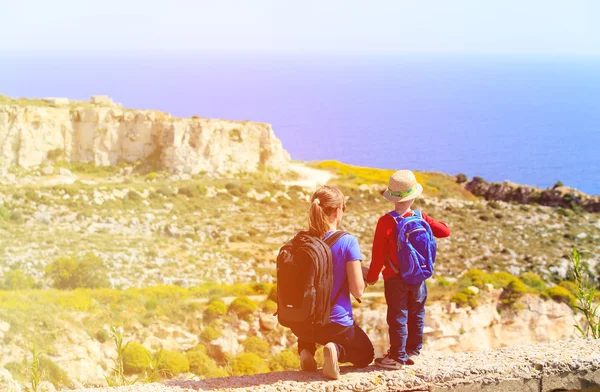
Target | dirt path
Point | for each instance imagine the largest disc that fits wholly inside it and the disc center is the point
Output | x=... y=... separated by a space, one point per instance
x=309 y=177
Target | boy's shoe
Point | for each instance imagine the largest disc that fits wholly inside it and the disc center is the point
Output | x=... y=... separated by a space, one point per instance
x=307 y=361
x=389 y=362
x=331 y=368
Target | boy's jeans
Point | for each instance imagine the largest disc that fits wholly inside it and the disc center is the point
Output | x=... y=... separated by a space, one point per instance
x=405 y=316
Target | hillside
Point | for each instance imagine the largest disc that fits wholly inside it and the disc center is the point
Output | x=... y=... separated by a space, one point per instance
x=169 y=245
x=167 y=230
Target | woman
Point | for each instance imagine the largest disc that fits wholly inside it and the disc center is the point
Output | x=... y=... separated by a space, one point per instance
x=344 y=340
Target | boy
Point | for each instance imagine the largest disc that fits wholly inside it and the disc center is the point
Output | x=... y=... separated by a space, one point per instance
x=406 y=302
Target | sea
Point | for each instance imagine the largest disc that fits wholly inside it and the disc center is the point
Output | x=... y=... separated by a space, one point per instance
x=526 y=119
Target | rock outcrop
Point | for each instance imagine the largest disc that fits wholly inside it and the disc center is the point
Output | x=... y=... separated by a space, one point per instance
x=450 y=329
x=106 y=134
x=558 y=196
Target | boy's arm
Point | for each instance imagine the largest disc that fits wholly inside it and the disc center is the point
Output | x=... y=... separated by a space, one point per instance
x=439 y=229
x=377 y=254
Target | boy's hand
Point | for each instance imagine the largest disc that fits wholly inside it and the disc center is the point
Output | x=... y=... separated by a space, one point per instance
x=365 y=271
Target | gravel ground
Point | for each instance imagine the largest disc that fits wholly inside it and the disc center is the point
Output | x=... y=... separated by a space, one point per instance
x=515 y=362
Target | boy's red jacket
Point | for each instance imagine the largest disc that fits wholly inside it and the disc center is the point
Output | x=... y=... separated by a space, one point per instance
x=384 y=244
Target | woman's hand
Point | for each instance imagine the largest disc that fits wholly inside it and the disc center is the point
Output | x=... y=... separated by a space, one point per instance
x=356 y=281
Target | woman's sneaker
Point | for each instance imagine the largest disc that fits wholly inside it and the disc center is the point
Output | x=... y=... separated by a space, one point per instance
x=331 y=368
x=389 y=362
x=307 y=361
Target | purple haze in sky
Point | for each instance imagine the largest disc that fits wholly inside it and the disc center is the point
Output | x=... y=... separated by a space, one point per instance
x=528 y=120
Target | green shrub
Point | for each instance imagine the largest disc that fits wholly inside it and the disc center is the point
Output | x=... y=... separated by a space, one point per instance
x=570 y=286
x=215 y=310
x=133 y=196
x=461 y=178
x=17 y=280
x=285 y=360
x=237 y=189
x=4 y=213
x=513 y=292
x=533 y=280
x=151 y=176
x=165 y=192
x=248 y=363
x=136 y=358
x=561 y=294
x=260 y=288
x=475 y=277
x=67 y=273
x=269 y=306
x=152 y=304
x=16 y=216
x=210 y=333
x=494 y=204
x=443 y=282
x=502 y=279
x=244 y=307
x=460 y=299
x=273 y=294
x=53 y=373
x=258 y=346
x=102 y=336
x=174 y=363
x=192 y=191
x=203 y=365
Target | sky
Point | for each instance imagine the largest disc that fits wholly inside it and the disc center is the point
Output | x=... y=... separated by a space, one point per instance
x=546 y=27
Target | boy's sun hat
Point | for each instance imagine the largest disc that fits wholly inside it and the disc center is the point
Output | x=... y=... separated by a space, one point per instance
x=403 y=186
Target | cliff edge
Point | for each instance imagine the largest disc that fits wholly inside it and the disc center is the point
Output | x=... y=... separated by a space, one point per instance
x=100 y=131
x=564 y=365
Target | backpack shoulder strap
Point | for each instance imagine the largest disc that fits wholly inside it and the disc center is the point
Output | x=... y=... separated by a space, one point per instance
x=333 y=238
x=395 y=215
x=418 y=214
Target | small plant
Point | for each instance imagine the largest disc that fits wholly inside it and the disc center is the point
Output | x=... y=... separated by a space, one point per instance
x=102 y=336
x=285 y=360
x=203 y=365
x=34 y=372
x=244 y=307
x=118 y=373
x=533 y=280
x=68 y=273
x=248 y=363
x=258 y=346
x=154 y=372
x=461 y=178
x=215 y=310
x=210 y=333
x=560 y=294
x=136 y=358
x=513 y=292
x=174 y=363
x=585 y=296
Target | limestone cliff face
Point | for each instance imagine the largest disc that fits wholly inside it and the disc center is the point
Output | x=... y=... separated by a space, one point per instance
x=490 y=326
x=105 y=134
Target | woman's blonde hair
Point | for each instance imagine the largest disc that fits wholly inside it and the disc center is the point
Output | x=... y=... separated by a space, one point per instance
x=324 y=202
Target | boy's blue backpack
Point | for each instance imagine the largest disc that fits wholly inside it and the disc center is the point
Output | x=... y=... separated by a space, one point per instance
x=415 y=249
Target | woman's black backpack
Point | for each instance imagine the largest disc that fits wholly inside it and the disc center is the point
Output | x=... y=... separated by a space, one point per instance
x=305 y=281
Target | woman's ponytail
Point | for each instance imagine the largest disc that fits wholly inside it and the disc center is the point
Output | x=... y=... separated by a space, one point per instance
x=323 y=203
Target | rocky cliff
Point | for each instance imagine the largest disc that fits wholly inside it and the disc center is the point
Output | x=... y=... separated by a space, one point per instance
x=557 y=196
x=98 y=131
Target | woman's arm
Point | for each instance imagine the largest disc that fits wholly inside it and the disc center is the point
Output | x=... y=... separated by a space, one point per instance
x=356 y=282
